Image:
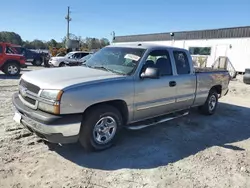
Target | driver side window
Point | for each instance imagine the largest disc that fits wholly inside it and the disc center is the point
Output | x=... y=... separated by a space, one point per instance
x=1 y=49
x=75 y=56
x=159 y=59
x=8 y=50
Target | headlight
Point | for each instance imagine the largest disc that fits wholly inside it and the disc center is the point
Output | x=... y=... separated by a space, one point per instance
x=51 y=94
x=50 y=101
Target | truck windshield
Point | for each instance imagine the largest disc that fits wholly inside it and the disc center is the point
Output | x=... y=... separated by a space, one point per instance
x=69 y=54
x=121 y=60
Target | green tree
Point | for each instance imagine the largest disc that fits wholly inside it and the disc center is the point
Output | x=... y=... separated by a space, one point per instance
x=90 y=43
x=11 y=37
x=104 y=42
x=38 y=44
x=52 y=43
x=27 y=44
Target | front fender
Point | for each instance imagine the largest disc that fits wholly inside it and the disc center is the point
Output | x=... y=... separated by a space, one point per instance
x=78 y=99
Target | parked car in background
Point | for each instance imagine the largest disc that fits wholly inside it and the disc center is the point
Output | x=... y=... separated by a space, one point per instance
x=10 y=62
x=31 y=56
x=121 y=86
x=60 y=54
x=78 y=62
x=59 y=61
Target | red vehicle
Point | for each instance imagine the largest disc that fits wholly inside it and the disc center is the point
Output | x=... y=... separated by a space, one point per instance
x=10 y=62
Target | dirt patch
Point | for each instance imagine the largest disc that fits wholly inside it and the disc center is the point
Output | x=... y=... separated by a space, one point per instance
x=195 y=151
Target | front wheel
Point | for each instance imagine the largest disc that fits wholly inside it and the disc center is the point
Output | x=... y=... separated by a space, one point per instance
x=211 y=103
x=12 y=69
x=100 y=127
x=62 y=64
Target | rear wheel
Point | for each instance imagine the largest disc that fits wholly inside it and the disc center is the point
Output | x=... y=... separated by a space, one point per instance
x=37 y=62
x=246 y=77
x=100 y=127
x=211 y=103
x=12 y=69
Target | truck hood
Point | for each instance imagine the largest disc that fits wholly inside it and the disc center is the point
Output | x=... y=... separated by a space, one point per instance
x=14 y=55
x=60 y=78
x=57 y=58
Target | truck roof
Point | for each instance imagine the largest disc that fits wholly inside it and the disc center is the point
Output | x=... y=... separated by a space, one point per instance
x=144 y=46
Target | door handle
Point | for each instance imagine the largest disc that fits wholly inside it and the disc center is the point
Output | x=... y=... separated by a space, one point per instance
x=172 y=83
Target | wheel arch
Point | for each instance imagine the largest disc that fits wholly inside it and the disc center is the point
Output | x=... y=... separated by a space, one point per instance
x=217 y=88
x=119 y=104
x=10 y=61
x=38 y=57
x=60 y=63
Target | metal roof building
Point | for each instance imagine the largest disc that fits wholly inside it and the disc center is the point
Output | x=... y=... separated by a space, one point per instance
x=234 y=32
x=232 y=43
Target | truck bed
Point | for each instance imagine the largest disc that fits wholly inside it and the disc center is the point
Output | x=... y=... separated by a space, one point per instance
x=208 y=69
x=206 y=79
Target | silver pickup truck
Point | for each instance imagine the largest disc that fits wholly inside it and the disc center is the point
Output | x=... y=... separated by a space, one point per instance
x=121 y=86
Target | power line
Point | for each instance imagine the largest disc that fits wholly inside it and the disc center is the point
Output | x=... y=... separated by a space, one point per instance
x=68 y=18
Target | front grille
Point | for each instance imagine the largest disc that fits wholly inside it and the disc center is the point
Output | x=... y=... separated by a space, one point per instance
x=29 y=100
x=30 y=87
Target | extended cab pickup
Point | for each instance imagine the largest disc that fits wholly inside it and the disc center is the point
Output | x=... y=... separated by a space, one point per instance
x=30 y=55
x=10 y=62
x=131 y=86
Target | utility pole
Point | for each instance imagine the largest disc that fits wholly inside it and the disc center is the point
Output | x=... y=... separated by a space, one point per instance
x=113 y=36
x=68 y=20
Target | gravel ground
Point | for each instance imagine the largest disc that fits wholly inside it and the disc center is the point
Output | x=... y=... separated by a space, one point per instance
x=194 y=151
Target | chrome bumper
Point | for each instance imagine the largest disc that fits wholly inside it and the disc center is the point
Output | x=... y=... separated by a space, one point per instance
x=66 y=130
x=54 y=128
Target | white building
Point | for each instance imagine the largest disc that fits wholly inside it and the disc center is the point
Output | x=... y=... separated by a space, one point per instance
x=210 y=46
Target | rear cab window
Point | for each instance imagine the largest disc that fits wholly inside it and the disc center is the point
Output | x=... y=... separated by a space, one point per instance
x=181 y=62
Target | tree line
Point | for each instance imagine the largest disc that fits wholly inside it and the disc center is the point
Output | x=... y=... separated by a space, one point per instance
x=87 y=43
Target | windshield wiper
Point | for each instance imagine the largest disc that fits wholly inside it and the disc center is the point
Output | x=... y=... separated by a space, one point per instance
x=106 y=69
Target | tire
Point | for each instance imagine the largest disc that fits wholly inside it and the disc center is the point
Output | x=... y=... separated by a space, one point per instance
x=209 y=107
x=92 y=119
x=12 y=69
x=246 y=77
x=3 y=71
x=37 y=62
x=62 y=64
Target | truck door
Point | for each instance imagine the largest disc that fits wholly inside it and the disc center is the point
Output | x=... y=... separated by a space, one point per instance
x=185 y=80
x=75 y=57
x=154 y=97
x=29 y=55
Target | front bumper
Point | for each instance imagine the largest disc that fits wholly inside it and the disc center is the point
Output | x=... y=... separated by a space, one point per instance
x=53 y=128
x=52 y=63
x=71 y=64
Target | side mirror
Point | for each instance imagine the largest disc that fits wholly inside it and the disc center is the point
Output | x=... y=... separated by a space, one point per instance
x=151 y=72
